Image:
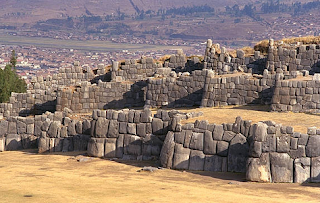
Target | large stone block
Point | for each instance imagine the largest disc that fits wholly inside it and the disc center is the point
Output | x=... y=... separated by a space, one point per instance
x=119 y=146
x=43 y=144
x=167 y=151
x=12 y=127
x=132 y=129
x=80 y=142
x=2 y=144
x=179 y=137
x=141 y=129
x=258 y=169
x=133 y=145
x=29 y=141
x=210 y=145
x=86 y=127
x=181 y=157
x=218 y=132
x=270 y=145
x=196 y=160
x=37 y=128
x=79 y=127
x=281 y=167
x=21 y=127
x=313 y=149
x=3 y=127
x=67 y=144
x=13 y=142
x=110 y=148
x=238 y=154
x=302 y=170
x=215 y=163
x=196 y=141
x=283 y=143
x=222 y=148
x=157 y=126
x=54 y=129
x=113 y=131
x=315 y=169
x=72 y=128
x=228 y=135
x=96 y=147
x=259 y=132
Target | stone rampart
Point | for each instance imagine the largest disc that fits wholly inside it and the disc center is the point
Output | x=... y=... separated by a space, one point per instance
x=297 y=95
x=266 y=151
x=183 y=91
x=294 y=57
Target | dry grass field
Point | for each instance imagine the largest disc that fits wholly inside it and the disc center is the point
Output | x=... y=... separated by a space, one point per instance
x=30 y=177
x=228 y=114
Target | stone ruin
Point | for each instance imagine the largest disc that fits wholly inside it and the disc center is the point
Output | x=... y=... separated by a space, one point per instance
x=74 y=111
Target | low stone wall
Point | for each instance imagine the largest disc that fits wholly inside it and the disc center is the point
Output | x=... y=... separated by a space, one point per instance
x=297 y=96
x=296 y=57
x=266 y=151
x=183 y=91
x=131 y=134
x=47 y=132
x=278 y=154
x=216 y=58
x=86 y=97
x=238 y=89
x=208 y=147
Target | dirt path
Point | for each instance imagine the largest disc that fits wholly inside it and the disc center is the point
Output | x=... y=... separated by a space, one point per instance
x=28 y=177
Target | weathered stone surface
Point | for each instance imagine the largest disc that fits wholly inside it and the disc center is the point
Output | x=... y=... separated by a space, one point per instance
x=283 y=143
x=54 y=129
x=2 y=144
x=237 y=125
x=167 y=151
x=30 y=129
x=80 y=142
x=29 y=141
x=258 y=169
x=113 y=131
x=13 y=142
x=67 y=144
x=133 y=145
x=86 y=126
x=222 y=148
x=210 y=145
x=313 y=149
x=179 y=137
x=302 y=170
x=119 y=146
x=12 y=128
x=3 y=127
x=157 y=126
x=132 y=129
x=298 y=153
x=196 y=141
x=259 y=132
x=218 y=132
x=110 y=148
x=238 y=154
x=58 y=145
x=37 y=128
x=270 y=145
x=181 y=157
x=281 y=167
x=72 y=128
x=96 y=147
x=141 y=129
x=315 y=169
x=228 y=135
x=43 y=144
x=196 y=160
x=45 y=125
x=215 y=163
x=79 y=127
x=21 y=127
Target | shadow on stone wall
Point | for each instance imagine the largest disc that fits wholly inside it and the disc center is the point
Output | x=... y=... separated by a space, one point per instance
x=191 y=100
x=39 y=109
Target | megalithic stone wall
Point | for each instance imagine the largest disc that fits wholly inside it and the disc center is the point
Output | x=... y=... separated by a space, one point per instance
x=173 y=91
x=86 y=97
x=297 y=95
x=266 y=151
x=131 y=134
x=223 y=63
x=48 y=132
x=294 y=57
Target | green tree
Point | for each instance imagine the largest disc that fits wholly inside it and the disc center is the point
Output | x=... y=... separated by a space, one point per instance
x=10 y=82
x=13 y=58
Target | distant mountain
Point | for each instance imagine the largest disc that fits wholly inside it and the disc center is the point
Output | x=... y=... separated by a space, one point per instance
x=30 y=11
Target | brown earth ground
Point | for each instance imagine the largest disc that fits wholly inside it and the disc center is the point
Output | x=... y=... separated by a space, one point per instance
x=30 y=177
